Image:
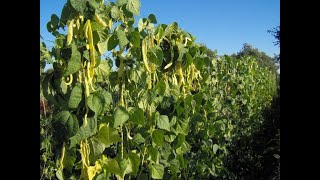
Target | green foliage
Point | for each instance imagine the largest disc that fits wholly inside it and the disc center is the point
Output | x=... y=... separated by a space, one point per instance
x=134 y=6
x=276 y=33
x=85 y=131
x=108 y=135
x=258 y=156
x=157 y=171
x=45 y=57
x=120 y=116
x=262 y=58
x=170 y=109
x=75 y=97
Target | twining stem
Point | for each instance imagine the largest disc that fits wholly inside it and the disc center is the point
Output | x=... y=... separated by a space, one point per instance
x=149 y=115
x=44 y=108
x=62 y=155
x=154 y=79
x=87 y=94
x=121 y=102
x=121 y=141
x=144 y=152
x=84 y=149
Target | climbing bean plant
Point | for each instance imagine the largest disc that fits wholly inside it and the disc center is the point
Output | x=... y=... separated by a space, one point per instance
x=228 y=106
x=143 y=102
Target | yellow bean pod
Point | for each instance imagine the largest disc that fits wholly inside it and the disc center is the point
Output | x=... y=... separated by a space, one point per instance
x=61 y=64
x=91 y=47
x=152 y=67
x=62 y=155
x=70 y=80
x=149 y=81
x=144 y=55
x=152 y=41
x=93 y=170
x=174 y=80
x=87 y=91
x=180 y=74
x=129 y=137
x=90 y=72
x=81 y=18
x=110 y=23
x=78 y=23
x=85 y=29
x=70 y=32
x=187 y=39
x=192 y=72
x=168 y=65
x=99 y=20
x=84 y=155
x=80 y=77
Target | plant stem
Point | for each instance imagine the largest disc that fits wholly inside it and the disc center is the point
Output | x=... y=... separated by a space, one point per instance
x=144 y=152
x=121 y=141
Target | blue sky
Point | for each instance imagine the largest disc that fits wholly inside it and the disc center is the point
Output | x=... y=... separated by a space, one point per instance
x=224 y=25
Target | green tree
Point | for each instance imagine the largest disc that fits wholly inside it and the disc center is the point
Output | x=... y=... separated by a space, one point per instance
x=262 y=58
x=211 y=54
x=276 y=33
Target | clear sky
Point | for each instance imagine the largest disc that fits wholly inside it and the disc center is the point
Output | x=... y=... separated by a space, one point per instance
x=224 y=25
